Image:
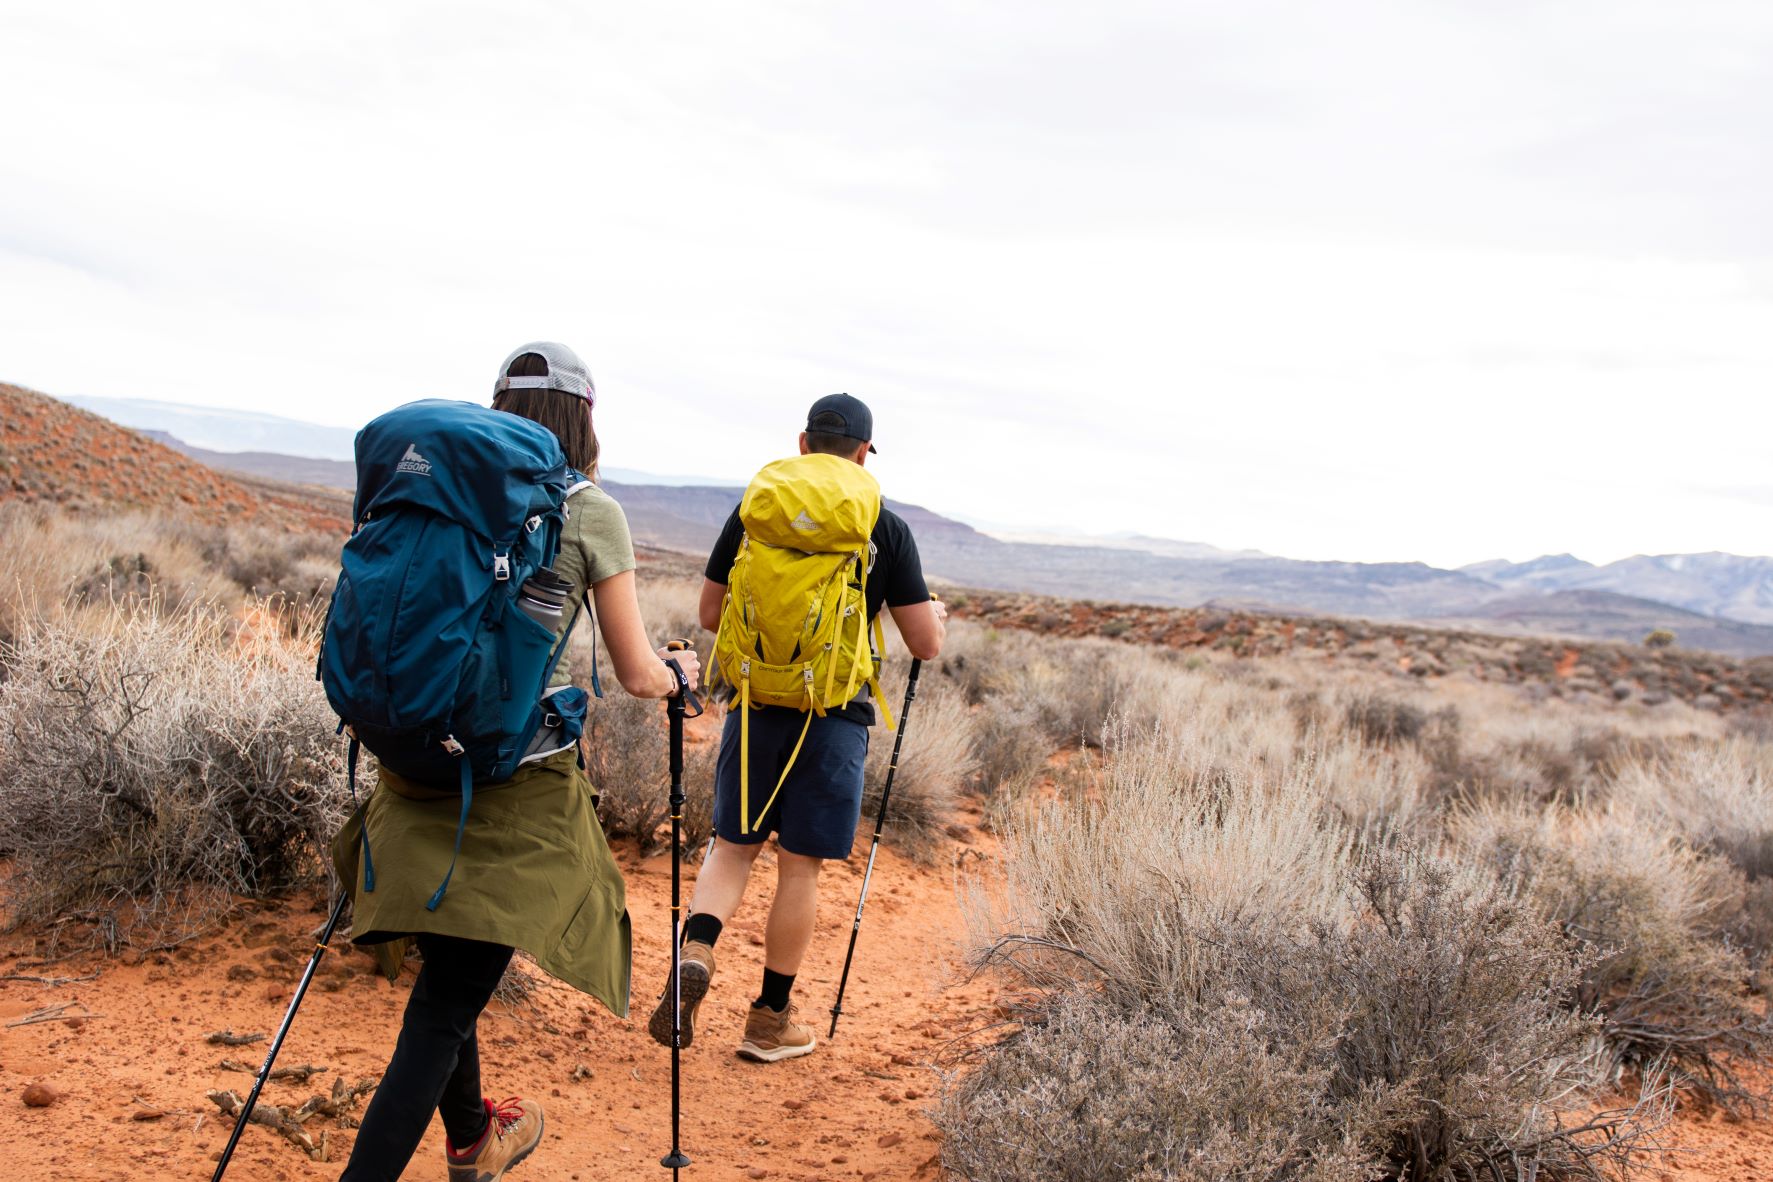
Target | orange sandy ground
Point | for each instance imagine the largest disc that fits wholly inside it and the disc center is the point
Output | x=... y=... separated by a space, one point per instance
x=854 y=1109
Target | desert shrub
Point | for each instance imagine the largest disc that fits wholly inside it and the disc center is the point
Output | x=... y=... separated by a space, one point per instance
x=935 y=763
x=1458 y=1042
x=149 y=757
x=1173 y=851
x=1091 y=1092
x=1718 y=795
x=1009 y=746
x=296 y=567
x=1655 y=913
x=1381 y=719
x=628 y=748
x=698 y=803
x=1560 y=762
x=1374 y=791
x=1379 y=1016
x=627 y=743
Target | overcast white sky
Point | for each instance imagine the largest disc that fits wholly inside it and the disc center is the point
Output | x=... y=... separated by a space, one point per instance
x=1369 y=280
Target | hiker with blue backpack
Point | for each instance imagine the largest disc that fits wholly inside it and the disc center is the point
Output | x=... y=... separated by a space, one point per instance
x=794 y=589
x=479 y=533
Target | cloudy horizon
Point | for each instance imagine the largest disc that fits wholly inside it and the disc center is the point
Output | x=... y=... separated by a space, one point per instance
x=1376 y=281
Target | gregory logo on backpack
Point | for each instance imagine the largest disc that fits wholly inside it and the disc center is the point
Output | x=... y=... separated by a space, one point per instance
x=413 y=462
x=804 y=524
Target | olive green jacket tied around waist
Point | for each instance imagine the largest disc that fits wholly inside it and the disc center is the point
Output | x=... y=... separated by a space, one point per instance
x=534 y=873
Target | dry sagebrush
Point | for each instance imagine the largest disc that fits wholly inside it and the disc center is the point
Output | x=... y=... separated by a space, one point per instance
x=1664 y=979
x=1201 y=939
x=150 y=755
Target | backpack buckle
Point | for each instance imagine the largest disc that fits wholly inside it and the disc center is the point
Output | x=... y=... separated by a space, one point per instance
x=502 y=568
x=450 y=745
x=532 y=525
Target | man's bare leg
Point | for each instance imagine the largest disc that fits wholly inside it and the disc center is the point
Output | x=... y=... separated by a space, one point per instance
x=790 y=928
x=721 y=883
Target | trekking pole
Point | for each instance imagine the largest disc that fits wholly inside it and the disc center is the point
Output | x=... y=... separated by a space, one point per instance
x=258 y=1085
x=675 y=710
x=886 y=794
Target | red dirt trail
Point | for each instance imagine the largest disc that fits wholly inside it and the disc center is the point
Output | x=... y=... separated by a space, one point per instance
x=855 y=1109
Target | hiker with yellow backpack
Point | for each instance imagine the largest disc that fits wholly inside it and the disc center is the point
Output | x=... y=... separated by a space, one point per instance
x=794 y=589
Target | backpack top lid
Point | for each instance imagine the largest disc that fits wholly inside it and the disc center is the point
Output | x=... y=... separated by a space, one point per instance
x=816 y=503
x=489 y=470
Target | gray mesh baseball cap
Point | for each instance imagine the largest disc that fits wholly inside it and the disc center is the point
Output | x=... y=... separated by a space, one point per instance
x=566 y=372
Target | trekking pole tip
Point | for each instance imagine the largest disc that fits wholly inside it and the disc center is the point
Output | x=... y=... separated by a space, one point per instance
x=675 y=1160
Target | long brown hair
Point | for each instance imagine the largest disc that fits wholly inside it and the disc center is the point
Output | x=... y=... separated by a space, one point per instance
x=567 y=415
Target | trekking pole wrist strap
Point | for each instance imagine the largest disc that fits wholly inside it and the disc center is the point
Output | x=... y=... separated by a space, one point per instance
x=692 y=704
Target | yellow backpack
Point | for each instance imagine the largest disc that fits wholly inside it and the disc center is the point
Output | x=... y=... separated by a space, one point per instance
x=794 y=625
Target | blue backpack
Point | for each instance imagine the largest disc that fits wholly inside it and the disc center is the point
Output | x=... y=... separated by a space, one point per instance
x=427 y=658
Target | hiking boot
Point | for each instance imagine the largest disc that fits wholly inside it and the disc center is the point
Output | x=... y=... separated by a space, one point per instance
x=513 y=1130
x=696 y=969
x=774 y=1034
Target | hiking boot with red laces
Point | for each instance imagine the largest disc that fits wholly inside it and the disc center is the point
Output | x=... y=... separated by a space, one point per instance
x=774 y=1034
x=696 y=970
x=513 y=1130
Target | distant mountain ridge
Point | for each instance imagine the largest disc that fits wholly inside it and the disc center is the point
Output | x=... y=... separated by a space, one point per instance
x=1727 y=586
x=1717 y=601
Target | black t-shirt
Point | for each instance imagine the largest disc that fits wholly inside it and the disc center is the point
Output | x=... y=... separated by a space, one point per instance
x=894 y=580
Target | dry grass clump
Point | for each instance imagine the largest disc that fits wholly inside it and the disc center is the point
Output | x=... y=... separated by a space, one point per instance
x=1666 y=981
x=1009 y=747
x=1202 y=941
x=1717 y=795
x=149 y=755
x=1090 y=1092
x=627 y=742
x=936 y=762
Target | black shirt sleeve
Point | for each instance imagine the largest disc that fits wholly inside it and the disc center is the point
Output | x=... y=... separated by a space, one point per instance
x=726 y=550
x=899 y=565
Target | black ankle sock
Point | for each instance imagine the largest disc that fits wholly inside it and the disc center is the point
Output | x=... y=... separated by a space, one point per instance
x=775 y=990
x=704 y=928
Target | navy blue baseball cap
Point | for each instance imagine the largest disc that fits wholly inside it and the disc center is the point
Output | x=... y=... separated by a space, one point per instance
x=842 y=414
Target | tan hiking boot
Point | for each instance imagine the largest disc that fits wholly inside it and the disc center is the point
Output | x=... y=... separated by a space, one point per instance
x=513 y=1130
x=696 y=969
x=774 y=1034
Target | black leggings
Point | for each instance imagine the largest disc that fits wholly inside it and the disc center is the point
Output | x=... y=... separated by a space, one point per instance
x=436 y=1063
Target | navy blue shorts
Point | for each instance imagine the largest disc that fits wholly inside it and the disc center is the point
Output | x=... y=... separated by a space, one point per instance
x=815 y=814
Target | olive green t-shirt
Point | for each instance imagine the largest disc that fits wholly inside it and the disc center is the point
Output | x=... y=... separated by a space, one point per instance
x=594 y=544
